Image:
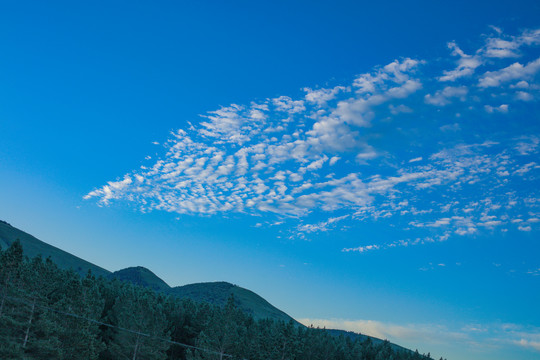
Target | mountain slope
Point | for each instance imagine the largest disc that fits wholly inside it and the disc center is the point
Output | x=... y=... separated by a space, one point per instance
x=33 y=247
x=143 y=277
x=219 y=292
x=215 y=293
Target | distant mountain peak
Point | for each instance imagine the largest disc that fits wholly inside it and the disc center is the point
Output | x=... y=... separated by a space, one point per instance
x=142 y=276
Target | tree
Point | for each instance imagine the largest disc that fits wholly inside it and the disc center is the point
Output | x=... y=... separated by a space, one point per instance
x=141 y=325
x=222 y=333
x=11 y=317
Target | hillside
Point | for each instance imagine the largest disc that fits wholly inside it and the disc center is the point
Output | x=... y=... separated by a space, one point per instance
x=212 y=292
x=215 y=293
x=219 y=292
x=33 y=247
x=143 y=277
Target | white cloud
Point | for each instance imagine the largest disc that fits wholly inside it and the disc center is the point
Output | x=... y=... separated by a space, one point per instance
x=395 y=110
x=528 y=344
x=501 y=108
x=496 y=47
x=334 y=160
x=451 y=127
x=528 y=145
x=466 y=64
x=443 y=97
x=524 y=96
x=286 y=104
x=516 y=71
x=500 y=48
x=322 y=96
x=320 y=226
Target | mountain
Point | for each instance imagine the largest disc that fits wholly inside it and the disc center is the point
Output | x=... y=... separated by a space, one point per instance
x=143 y=277
x=213 y=292
x=219 y=292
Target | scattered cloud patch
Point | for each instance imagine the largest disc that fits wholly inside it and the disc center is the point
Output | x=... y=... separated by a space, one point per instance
x=444 y=97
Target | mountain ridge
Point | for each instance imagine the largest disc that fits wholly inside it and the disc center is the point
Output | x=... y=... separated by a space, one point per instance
x=213 y=292
x=33 y=247
x=216 y=292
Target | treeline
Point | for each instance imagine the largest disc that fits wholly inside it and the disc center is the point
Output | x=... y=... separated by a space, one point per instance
x=49 y=313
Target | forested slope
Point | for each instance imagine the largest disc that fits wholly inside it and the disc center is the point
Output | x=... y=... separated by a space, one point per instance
x=50 y=313
x=214 y=293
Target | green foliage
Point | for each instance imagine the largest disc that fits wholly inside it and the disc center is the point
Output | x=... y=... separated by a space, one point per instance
x=140 y=310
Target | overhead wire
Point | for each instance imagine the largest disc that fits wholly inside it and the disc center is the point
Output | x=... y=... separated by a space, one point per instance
x=25 y=301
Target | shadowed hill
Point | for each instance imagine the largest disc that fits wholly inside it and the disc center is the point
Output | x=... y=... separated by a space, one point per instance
x=219 y=292
x=212 y=292
x=33 y=247
x=143 y=277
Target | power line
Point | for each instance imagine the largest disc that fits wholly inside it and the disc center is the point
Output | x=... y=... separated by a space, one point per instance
x=25 y=301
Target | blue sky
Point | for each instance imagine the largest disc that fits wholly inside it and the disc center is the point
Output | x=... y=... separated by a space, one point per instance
x=372 y=167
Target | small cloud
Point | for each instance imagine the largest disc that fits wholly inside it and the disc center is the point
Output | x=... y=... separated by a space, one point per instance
x=450 y=127
x=528 y=344
x=501 y=109
x=333 y=160
x=516 y=71
x=443 y=97
x=467 y=64
x=395 y=110
x=524 y=96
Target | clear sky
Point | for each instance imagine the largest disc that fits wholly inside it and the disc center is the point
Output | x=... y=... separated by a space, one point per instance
x=370 y=166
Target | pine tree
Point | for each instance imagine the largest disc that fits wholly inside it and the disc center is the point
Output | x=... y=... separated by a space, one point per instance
x=79 y=336
x=41 y=282
x=139 y=311
x=222 y=334
x=12 y=319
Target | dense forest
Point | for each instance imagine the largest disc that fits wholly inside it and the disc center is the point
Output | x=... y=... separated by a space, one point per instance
x=50 y=313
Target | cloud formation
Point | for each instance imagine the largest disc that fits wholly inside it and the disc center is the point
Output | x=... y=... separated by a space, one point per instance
x=400 y=142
